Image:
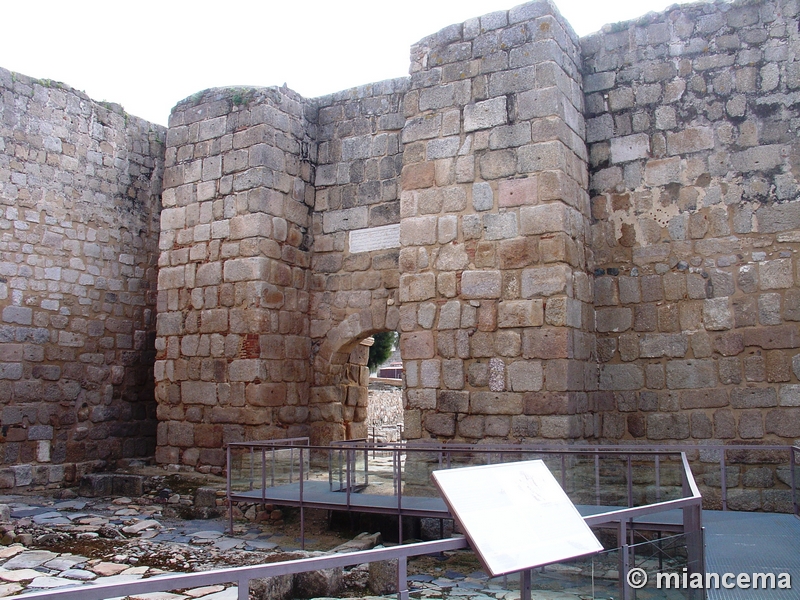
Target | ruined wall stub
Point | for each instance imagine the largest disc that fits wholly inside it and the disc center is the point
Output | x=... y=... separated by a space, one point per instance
x=79 y=201
x=496 y=317
x=233 y=330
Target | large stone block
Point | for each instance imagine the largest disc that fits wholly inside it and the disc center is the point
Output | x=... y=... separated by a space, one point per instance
x=198 y=392
x=621 y=377
x=671 y=426
x=485 y=114
x=417 y=345
x=519 y=192
x=683 y=374
x=417 y=287
x=255 y=268
x=520 y=313
x=630 y=147
x=547 y=281
x=689 y=140
x=525 y=376
x=481 y=284
x=544 y=218
x=617 y=319
x=754 y=397
x=495 y=403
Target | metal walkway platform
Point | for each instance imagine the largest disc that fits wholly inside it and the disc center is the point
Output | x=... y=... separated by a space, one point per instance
x=747 y=542
x=317 y=494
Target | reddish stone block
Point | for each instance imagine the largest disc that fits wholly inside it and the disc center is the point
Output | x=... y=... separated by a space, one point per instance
x=417 y=176
x=547 y=342
x=544 y=403
x=265 y=394
x=516 y=192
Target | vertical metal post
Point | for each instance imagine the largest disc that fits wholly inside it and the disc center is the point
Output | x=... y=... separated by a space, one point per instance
x=597 y=478
x=291 y=464
x=630 y=483
x=243 y=589
x=251 y=468
x=564 y=472
x=402 y=578
x=692 y=525
x=692 y=531
x=272 y=468
x=399 y=503
x=302 y=511
x=794 y=487
x=624 y=561
x=228 y=492
x=525 y=584
x=366 y=466
x=339 y=463
x=395 y=455
x=348 y=477
x=723 y=476
x=658 y=478
x=263 y=474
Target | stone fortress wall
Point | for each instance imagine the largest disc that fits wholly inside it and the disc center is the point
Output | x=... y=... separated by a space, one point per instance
x=79 y=217
x=587 y=240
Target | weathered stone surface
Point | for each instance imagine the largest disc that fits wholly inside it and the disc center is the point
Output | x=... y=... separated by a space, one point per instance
x=673 y=285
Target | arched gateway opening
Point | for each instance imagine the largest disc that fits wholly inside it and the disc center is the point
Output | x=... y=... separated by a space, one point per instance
x=340 y=403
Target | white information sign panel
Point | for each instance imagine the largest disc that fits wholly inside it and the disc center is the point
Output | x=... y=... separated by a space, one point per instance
x=515 y=515
x=375 y=238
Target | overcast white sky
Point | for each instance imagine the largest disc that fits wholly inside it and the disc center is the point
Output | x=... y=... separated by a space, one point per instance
x=148 y=55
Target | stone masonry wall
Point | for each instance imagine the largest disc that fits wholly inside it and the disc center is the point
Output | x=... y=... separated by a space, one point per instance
x=496 y=317
x=233 y=330
x=578 y=239
x=692 y=130
x=79 y=201
x=353 y=290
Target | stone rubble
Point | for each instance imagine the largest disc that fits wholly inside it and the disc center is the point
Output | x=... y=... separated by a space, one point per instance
x=148 y=544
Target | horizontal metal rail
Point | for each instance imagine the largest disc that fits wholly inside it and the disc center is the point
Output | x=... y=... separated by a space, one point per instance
x=243 y=575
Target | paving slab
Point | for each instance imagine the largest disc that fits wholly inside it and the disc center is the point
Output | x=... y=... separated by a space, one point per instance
x=141 y=526
x=157 y=596
x=107 y=569
x=29 y=559
x=65 y=561
x=51 y=582
x=70 y=505
x=79 y=574
x=260 y=545
x=226 y=543
x=29 y=511
x=207 y=535
x=17 y=575
x=11 y=551
x=232 y=593
x=8 y=589
x=204 y=591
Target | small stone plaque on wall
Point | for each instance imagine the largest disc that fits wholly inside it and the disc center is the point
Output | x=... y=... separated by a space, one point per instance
x=375 y=238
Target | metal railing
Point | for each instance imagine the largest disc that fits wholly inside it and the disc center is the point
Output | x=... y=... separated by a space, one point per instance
x=623 y=519
x=243 y=575
x=611 y=469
